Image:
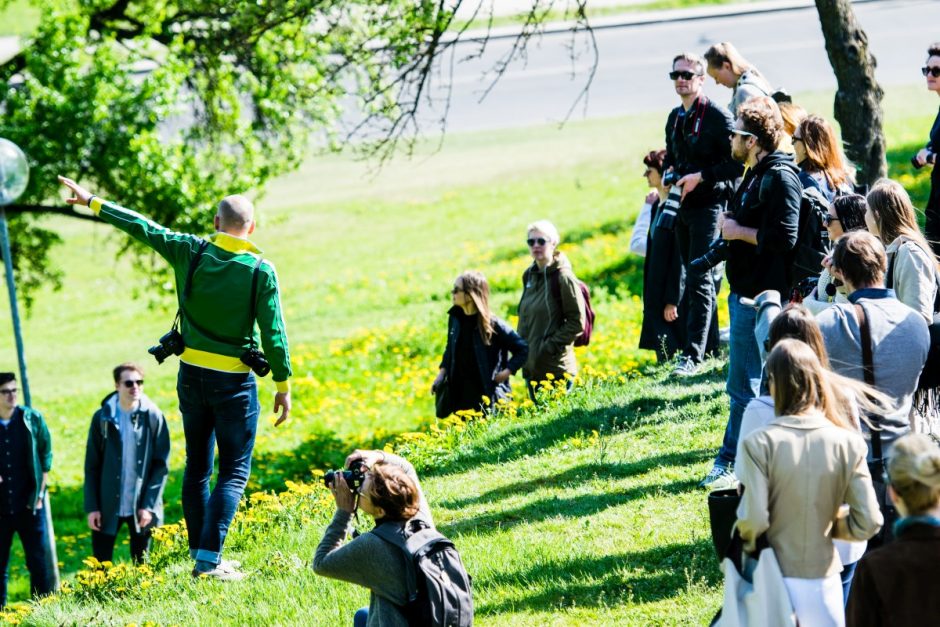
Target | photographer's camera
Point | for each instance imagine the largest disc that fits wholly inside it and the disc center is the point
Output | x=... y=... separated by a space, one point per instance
x=354 y=477
x=169 y=344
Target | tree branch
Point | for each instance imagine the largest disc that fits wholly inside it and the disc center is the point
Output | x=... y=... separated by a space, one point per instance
x=65 y=211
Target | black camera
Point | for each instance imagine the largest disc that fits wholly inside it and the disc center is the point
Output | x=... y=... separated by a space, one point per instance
x=931 y=159
x=667 y=215
x=169 y=344
x=716 y=253
x=353 y=477
x=670 y=177
x=255 y=359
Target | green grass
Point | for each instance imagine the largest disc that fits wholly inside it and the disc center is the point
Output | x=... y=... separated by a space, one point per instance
x=559 y=526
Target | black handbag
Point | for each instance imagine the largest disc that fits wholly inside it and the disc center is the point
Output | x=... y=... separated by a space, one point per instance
x=722 y=514
x=442 y=405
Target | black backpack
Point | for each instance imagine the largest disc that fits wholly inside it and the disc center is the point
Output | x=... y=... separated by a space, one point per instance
x=812 y=237
x=438 y=585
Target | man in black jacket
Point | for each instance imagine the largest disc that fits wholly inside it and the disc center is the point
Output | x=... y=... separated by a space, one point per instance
x=761 y=233
x=698 y=150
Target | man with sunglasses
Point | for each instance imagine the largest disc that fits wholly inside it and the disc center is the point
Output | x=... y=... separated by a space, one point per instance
x=760 y=229
x=126 y=466
x=25 y=462
x=698 y=153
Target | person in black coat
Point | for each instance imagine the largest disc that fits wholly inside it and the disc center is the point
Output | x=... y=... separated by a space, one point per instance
x=927 y=154
x=476 y=362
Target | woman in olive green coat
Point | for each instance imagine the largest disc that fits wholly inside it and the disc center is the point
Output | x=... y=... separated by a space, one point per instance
x=551 y=311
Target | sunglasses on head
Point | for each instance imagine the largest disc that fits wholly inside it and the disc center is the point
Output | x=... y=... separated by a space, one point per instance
x=8 y=392
x=532 y=241
x=933 y=70
x=683 y=74
x=130 y=383
x=742 y=133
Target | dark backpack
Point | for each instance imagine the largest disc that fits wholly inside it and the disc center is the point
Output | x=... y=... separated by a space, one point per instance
x=812 y=237
x=438 y=585
x=583 y=338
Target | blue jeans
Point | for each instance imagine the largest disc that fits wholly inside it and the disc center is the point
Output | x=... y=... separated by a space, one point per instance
x=744 y=374
x=218 y=408
x=31 y=527
x=847 y=575
x=361 y=617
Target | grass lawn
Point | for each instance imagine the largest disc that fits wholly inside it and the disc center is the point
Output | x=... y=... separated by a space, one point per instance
x=559 y=525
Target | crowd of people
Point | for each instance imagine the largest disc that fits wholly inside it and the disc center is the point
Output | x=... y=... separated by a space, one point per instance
x=825 y=373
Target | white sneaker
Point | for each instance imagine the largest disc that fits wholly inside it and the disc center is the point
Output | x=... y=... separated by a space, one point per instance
x=685 y=368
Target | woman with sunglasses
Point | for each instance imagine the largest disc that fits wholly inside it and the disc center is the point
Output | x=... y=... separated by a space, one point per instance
x=897 y=585
x=476 y=362
x=926 y=155
x=551 y=310
x=389 y=492
x=822 y=166
x=846 y=213
x=912 y=267
x=806 y=481
x=662 y=330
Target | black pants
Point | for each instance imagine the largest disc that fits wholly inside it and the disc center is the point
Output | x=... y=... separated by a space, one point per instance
x=31 y=527
x=102 y=544
x=696 y=229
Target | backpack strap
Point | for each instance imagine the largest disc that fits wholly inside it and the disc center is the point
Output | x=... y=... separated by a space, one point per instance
x=394 y=533
x=868 y=366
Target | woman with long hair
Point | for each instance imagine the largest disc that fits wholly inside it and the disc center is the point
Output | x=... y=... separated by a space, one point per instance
x=551 y=310
x=806 y=481
x=912 y=267
x=897 y=585
x=729 y=68
x=845 y=214
x=927 y=154
x=817 y=152
x=476 y=362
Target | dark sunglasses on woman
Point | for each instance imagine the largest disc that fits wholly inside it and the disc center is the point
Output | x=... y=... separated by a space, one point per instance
x=932 y=70
x=541 y=241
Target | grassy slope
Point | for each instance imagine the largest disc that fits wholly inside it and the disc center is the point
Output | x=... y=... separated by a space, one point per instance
x=356 y=252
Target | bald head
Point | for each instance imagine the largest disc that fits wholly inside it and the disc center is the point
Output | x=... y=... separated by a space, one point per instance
x=236 y=215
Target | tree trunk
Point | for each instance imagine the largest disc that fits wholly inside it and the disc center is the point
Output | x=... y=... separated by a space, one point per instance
x=857 y=104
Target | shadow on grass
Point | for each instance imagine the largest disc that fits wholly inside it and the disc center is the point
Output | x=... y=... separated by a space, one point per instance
x=571 y=507
x=659 y=573
x=579 y=474
x=523 y=438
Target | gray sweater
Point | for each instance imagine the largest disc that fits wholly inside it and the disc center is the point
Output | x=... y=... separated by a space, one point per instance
x=899 y=349
x=369 y=561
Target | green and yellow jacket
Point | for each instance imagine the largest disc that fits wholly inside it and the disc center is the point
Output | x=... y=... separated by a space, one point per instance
x=219 y=299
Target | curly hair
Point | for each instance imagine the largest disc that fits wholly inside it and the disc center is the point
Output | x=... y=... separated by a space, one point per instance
x=394 y=491
x=760 y=116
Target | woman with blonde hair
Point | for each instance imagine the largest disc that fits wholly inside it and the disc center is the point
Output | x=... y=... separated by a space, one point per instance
x=898 y=583
x=476 y=362
x=551 y=310
x=912 y=267
x=730 y=69
x=822 y=165
x=806 y=481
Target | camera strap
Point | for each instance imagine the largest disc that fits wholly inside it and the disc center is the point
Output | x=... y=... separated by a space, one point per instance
x=253 y=297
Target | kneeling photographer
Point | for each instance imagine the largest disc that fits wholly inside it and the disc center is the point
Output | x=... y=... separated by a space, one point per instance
x=758 y=236
x=388 y=559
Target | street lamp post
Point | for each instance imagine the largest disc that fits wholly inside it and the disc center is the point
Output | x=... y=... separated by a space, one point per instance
x=14 y=175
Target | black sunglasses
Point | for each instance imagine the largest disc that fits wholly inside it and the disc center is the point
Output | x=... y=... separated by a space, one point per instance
x=541 y=241
x=796 y=138
x=683 y=74
x=829 y=219
x=8 y=392
x=455 y=290
x=933 y=70
x=130 y=383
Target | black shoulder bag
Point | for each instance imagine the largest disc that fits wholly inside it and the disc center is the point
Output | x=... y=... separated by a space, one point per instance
x=877 y=466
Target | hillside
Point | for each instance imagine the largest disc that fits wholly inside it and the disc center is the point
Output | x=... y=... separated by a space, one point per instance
x=584 y=513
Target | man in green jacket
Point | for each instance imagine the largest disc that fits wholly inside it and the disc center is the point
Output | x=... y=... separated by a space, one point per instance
x=224 y=288
x=25 y=462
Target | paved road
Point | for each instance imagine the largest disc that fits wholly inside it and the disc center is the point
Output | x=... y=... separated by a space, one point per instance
x=631 y=76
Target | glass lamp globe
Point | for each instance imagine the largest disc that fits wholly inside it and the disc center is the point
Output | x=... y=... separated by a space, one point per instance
x=14 y=172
